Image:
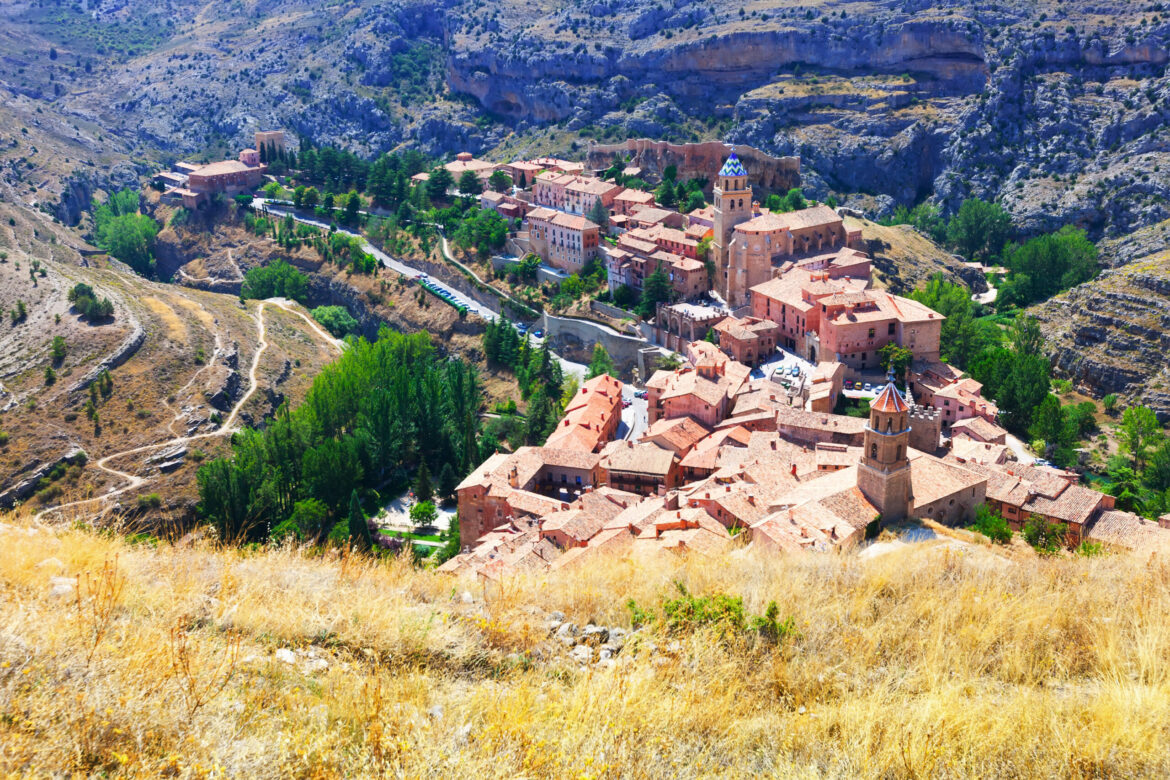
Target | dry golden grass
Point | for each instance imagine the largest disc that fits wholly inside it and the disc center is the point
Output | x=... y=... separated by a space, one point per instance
x=929 y=661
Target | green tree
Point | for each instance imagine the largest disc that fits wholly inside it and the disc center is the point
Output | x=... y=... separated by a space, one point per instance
x=423 y=514
x=666 y=195
x=58 y=349
x=601 y=363
x=1138 y=431
x=439 y=183
x=655 y=289
x=1025 y=336
x=991 y=525
x=336 y=319
x=1048 y=264
x=310 y=198
x=599 y=215
x=1109 y=404
x=962 y=336
x=980 y=229
x=694 y=202
x=359 y=527
x=500 y=181
x=448 y=481
x=275 y=280
x=1047 y=537
x=353 y=205
x=423 y=489
x=469 y=183
x=308 y=521
x=898 y=357
x=50 y=375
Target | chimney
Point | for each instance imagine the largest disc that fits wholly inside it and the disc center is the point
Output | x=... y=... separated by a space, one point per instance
x=794 y=469
x=751 y=499
x=630 y=443
x=514 y=478
x=773 y=443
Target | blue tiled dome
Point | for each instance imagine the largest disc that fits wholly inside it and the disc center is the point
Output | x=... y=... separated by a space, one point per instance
x=733 y=167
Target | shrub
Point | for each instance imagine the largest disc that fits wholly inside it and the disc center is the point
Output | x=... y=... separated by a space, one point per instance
x=336 y=319
x=1046 y=537
x=149 y=501
x=276 y=280
x=4 y=439
x=991 y=525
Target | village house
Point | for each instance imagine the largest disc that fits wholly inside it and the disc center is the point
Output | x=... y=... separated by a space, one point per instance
x=979 y=429
x=839 y=320
x=505 y=205
x=591 y=417
x=464 y=161
x=229 y=177
x=583 y=194
x=749 y=340
x=562 y=240
x=641 y=468
x=704 y=393
x=551 y=189
x=956 y=397
x=626 y=201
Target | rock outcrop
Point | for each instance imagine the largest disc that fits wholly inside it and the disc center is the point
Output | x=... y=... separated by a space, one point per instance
x=1112 y=335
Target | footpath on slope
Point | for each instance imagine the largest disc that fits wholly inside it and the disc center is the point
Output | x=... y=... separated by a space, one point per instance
x=134 y=481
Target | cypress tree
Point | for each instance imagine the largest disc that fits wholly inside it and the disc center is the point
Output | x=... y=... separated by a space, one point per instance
x=359 y=529
x=423 y=489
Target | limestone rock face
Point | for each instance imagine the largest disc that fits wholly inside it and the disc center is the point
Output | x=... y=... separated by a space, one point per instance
x=1112 y=335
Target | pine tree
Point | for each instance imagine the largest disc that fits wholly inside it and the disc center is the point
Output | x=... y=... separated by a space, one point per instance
x=448 y=481
x=423 y=489
x=359 y=529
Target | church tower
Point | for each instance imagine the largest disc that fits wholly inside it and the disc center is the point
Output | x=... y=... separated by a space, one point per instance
x=733 y=205
x=884 y=472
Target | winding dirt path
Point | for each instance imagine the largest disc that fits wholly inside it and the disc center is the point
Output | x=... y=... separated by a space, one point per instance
x=133 y=481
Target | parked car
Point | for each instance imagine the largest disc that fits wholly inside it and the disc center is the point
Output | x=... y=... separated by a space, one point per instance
x=848 y=384
x=522 y=327
x=868 y=387
x=796 y=370
x=538 y=333
x=626 y=404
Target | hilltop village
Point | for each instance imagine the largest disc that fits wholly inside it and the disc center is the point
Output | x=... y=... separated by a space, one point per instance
x=732 y=446
x=732 y=452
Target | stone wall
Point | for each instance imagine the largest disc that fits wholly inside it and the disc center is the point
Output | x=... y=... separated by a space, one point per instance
x=767 y=173
x=573 y=339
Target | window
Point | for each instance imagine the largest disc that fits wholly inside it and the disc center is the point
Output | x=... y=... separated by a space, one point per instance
x=890 y=329
x=871 y=331
x=873 y=451
x=899 y=452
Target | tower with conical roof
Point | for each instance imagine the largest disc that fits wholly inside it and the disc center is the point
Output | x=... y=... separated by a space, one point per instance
x=733 y=205
x=884 y=472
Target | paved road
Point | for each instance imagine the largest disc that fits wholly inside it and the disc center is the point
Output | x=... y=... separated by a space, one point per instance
x=634 y=417
x=568 y=367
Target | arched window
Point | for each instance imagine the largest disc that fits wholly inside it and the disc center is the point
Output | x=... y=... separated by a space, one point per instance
x=741 y=203
x=889 y=424
x=898 y=452
x=873 y=451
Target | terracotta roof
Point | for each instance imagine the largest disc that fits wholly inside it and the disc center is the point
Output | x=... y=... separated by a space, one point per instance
x=633 y=458
x=813 y=217
x=933 y=479
x=1127 y=531
x=979 y=428
x=220 y=168
x=679 y=435
x=635 y=196
x=889 y=400
x=573 y=222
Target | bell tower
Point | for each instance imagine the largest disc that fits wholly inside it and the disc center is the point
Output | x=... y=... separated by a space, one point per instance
x=884 y=472
x=733 y=205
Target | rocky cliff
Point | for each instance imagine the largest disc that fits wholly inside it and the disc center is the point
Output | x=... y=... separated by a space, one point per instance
x=699 y=160
x=1056 y=109
x=1112 y=335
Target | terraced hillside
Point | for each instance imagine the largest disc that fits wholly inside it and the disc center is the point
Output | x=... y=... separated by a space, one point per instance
x=170 y=363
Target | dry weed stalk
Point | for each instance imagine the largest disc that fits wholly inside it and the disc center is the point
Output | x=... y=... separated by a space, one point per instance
x=199 y=684
x=97 y=600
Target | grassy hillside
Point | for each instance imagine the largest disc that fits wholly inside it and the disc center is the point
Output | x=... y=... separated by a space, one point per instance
x=928 y=661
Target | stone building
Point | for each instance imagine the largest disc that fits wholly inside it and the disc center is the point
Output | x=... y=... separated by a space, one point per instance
x=562 y=240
